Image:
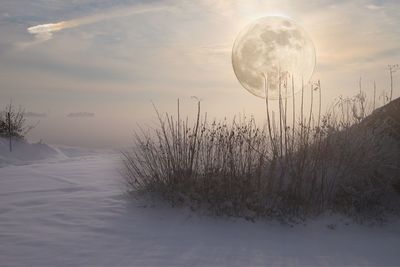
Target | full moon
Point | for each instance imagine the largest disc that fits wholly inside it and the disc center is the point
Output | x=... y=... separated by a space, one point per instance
x=273 y=49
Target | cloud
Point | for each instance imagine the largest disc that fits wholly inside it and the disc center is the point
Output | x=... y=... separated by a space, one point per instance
x=216 y=49
x=45 y=32
x=81 y=115
x=31 y=114
x=373 y=7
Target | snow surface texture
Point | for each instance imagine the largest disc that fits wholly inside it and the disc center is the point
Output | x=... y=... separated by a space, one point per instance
x=74 y=213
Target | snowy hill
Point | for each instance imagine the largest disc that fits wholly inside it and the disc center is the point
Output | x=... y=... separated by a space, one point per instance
x=386 y=120
x=385 y=124
x=24 y=152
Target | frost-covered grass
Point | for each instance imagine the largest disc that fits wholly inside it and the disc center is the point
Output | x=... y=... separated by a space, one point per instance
x=295 y=166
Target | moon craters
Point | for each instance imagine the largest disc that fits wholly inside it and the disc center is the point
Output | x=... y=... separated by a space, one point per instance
x=268 y=47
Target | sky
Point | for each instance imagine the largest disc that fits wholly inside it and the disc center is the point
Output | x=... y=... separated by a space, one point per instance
x=89 y=76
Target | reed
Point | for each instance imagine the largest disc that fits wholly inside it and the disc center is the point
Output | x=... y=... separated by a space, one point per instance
x=316 y=162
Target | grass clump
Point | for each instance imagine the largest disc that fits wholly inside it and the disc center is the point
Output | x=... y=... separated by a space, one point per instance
x=290 y=168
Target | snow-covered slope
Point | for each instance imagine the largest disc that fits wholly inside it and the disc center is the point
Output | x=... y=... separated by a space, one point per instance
x=24 y=152
x=74 y=213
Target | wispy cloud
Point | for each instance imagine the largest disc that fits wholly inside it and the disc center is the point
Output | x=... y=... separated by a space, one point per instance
x=31 y=114
x=373 y=7
x=45 y=32
x=216 y=49
x=81 y=115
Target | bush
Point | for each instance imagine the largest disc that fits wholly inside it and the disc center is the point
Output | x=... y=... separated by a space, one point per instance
x=282 y=170
x=13 y=123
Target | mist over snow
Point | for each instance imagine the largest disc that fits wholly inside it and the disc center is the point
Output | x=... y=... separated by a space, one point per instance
x=71 y=211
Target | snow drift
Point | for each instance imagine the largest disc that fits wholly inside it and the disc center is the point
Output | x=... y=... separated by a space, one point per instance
x=24 y=152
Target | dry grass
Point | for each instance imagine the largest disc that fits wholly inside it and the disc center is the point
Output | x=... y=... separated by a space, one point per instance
x=290 y=168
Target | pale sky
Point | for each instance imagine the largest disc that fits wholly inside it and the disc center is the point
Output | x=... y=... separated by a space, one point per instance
x=105 y=61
